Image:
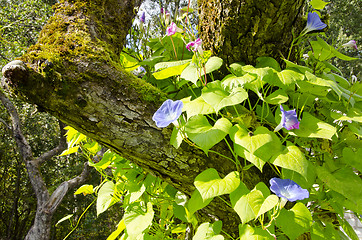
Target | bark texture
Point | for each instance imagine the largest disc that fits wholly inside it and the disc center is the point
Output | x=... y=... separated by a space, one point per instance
x=242 y=30
x=73 y=72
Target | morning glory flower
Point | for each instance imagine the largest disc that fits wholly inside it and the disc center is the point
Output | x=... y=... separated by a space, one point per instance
x=143 y=17
x=171 y=30
x=168 y=113
x=351 y=44
x=289 y=120
x=195 y=45
x=288 y=189
x=313 y=23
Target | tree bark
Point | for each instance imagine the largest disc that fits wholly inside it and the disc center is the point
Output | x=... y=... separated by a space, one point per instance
x=73 y=72
x=242 y=30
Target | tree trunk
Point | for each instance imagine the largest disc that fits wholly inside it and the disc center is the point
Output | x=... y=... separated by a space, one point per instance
x=242 y=30
x=73 y=72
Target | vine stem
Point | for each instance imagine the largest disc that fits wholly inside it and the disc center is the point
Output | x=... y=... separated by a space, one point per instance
x=174 y=49
x=79 y=219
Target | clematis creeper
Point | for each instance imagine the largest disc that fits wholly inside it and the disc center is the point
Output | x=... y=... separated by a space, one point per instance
x=289 y=120
x=168 y=113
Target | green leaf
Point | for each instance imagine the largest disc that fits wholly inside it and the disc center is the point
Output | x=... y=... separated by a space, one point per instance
x=121 y=226
x=136 y=220
x=300 y=68
x=85 y=189
x=93 y=147
x=196 y=202
x=199 y=130
x=151 y=61
x=107 y=159
x=70 y=151
x=312 y=127
x=246 y=232
x=192 y=72
x=324 y=233
x=318 y=4
x=262 y=62
x=170 y=69
x=251 y=205
x=196 y=106
x=291 y=158
x=257 y=148
x=128 y=62
x=218 y=97
x=295 y=221
x=105 y=197
x=235 y=82
x=343 y=181
x=288 y=78
x=206 y=232
x=354 y=114
x=298 y=178
x=176 y=137
x=64 y=218
x=210 y=185
x=353 y=158
x=276 y=98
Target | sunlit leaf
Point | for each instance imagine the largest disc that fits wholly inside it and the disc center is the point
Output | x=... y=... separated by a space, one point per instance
x=296 y=221
x=199 y=130
x=210 y=185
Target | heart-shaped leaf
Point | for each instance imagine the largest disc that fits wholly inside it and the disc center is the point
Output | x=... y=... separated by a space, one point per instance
x=218 y=97
x=257 y=147
x=251 y=205
x=291 y=158
x=196 y=106
x=295 y=221
x=210 y=185
x=278 y=97
x=199 y=130
x=312 y=127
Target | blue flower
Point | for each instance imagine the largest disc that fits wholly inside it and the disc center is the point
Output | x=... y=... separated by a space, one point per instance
x=288 y=189
x=169 y=112
x=313 y=23
x=143 y=17
x=289 y=120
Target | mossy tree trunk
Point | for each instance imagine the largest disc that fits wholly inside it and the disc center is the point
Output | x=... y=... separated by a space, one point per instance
x=73 y=72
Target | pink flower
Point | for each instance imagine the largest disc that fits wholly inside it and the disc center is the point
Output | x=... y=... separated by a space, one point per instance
x=171 y=30
x=351 y=44
x=193 y=46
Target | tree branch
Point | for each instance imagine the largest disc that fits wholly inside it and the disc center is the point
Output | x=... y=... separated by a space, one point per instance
x=58 y=149
x=22 y=143
x=59 y=193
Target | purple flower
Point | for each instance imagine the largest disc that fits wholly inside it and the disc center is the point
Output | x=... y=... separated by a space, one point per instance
x=169 y=112
x=351 y=44
x=171 y=30
x=289 y=120
x=313 y=23
x=143 y=17
x=288 y=189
